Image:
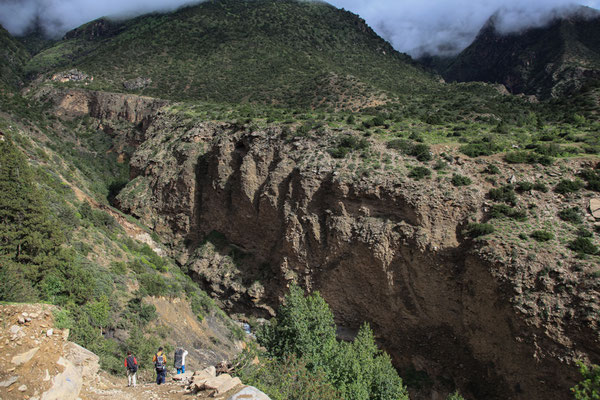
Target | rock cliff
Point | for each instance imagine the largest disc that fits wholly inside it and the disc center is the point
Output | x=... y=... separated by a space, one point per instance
x=248 y=210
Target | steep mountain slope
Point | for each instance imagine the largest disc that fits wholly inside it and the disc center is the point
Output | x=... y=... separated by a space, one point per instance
x=13 y=57
x=550 y=61
x=280 y=52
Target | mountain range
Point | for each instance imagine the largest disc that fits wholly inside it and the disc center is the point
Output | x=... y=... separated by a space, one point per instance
x=209 y=158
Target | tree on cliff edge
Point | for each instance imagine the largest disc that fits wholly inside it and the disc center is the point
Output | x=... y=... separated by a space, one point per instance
x=304 y=327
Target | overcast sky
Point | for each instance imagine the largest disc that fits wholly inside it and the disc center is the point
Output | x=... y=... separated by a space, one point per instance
x=412 y=26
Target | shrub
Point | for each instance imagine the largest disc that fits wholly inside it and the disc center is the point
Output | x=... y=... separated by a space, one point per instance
x=347 y=144
x=421 y=151
x=589 y=387
x=526 y=157
x=504 y=194
x=455 y=396
x=583 y=245
x=524 y=186
x=592 y=178
x=542 y=236
x=491 y=169
x=540 y=187
x=584 y=233
x=153 y=284
x=460 y=180
x=475 y=230
x=572 y=214
x=419 y=173
x=286 y=378
x=503 y=210
x=477 y=149
x=440 y=165
x=566 y=186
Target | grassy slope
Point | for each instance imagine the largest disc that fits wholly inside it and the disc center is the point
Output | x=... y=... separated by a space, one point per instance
x=279 y=52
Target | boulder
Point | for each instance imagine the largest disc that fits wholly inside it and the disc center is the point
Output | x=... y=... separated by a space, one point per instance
x=227 y=385
x=66 y=385
x=595 y=207
x=221 y=384
x=249 y=393
x=84 y=360
x=9 y=381
x=24 y=357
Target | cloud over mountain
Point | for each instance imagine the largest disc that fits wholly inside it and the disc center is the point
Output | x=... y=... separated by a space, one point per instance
x=413 y=26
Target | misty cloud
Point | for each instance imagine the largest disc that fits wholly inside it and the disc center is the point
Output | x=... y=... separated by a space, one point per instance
x=416 y=27
x=444 y=27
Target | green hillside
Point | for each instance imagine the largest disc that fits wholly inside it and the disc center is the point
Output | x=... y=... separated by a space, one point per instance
x=276 y=52
x=12 y=59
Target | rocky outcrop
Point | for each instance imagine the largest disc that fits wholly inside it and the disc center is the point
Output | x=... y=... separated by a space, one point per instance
x=70 y=103
x=248 y=212
x=38 y=361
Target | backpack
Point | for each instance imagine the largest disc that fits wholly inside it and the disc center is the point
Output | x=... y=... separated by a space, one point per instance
x=160 y=362
x=178 y=359
x=131 y=365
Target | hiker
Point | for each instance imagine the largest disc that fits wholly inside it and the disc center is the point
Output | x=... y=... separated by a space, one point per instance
x=179 y=359
x=160 y=362
x=132 y=367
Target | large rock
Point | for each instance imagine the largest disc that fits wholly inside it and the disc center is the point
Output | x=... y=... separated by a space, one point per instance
x=9 y=381
x=87 y=362
x=249 y=393
x=221 y=384
x=24 y=357
x=595 y=208
x=66 y=385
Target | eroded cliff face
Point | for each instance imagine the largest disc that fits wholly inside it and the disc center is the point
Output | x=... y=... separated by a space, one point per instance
x=247 y=211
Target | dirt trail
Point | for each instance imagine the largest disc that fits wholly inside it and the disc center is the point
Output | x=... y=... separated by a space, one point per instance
x=37 y=362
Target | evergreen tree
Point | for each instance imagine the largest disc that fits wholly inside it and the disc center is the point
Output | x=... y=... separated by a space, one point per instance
x=31 y=239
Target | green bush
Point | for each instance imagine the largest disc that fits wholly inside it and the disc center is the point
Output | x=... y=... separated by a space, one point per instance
x=477 y=149
x=566 y=186
x=455 y=396
x=491 y=169
x=525 y=157
x=504 y=194
x=503 y=210
x=418 y=173
x=572 y=214
x=475 y=230
x=540 y=187
x=347 y=144
x=589 y=386
x=460 y=180
x=286 y=378
x=524 y=186
x=153 y=284
x=541 y=235
x=420 y=150
x=592 y=178
x=583 y=245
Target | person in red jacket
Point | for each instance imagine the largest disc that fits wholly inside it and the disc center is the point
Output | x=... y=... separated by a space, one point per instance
x=132 y=367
